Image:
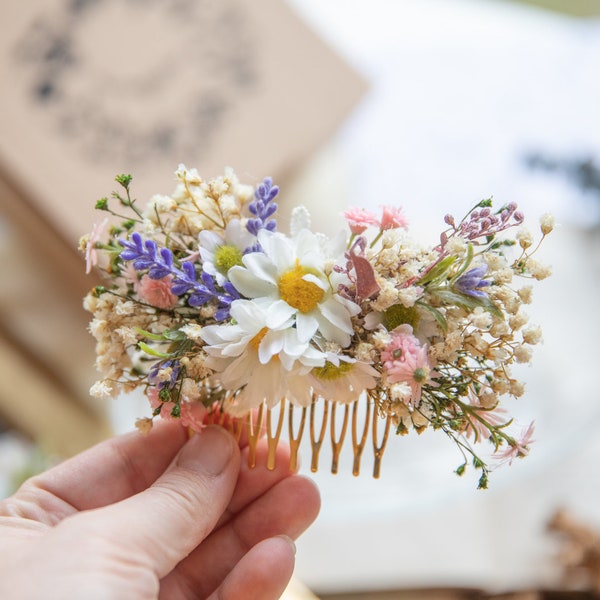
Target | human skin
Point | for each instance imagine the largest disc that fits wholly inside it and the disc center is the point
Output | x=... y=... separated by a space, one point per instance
x=156 y=516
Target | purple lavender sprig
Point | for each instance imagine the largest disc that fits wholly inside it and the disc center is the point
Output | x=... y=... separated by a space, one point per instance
x=263 y=207
x=170 y=383
x=159 y=262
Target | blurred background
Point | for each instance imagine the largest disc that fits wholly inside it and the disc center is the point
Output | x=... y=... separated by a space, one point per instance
x=431 y=104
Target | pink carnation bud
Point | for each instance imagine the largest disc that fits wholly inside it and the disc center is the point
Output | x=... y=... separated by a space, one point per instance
x=157 y=292
x=193 y=415
x=359 y=219
x=393 y=218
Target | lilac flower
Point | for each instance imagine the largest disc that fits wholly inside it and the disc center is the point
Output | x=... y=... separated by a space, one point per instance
x=483 y=223
x=164 y=374
x=470 y=282
x=159 y=262
x=263 y=207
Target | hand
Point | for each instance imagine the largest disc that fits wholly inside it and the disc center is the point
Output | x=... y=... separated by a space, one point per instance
x=156 y=516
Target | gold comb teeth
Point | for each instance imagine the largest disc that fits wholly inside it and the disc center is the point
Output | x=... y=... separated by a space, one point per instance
x=269 y=423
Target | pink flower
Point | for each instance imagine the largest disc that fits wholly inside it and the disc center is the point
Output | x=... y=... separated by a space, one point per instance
x=156 y=402
x=393 y=218
x=157 y=292
x=193 y=415
x=406 y=361
x=519 y=449
x=493 y=416
x=359 y=219
x=91 y=256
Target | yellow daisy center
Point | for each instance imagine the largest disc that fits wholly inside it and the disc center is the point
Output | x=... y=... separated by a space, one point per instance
x=227 y=257
x=398 y=314
x=297 y=292
x=331 y=372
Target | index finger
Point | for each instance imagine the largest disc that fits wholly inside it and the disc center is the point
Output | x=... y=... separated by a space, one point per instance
x=112 y=470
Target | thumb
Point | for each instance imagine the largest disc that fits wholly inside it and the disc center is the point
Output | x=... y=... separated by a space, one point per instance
x=165 y=522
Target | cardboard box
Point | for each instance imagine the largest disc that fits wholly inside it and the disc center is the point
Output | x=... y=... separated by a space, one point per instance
x=93 y=88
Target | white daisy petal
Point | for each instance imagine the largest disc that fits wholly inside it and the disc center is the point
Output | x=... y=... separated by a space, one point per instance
x=298 y=392
x=330 y=332
x=278 y=248
x=247 y=284
x=270 y=346
x=279 y=312
x=312 y=357
x=322 y=283
x=247 y=312
x=305 y=243
x=208 y=242
x=236 y=348
x=233 y=376
x=287 y=361
x=334 y=313
x=306 y=325
x=261 y=267
x=292 y=345
x=350 y=306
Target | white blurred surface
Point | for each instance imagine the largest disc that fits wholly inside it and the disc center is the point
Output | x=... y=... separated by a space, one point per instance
x=461 y=91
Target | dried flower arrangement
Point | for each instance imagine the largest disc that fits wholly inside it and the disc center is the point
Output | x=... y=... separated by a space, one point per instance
x=221 y=318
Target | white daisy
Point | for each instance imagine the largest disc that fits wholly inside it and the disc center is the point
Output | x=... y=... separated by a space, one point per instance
x=269 y=383
x=289 y=277
x=221 y=251
x=342 y=379
x=265 y=364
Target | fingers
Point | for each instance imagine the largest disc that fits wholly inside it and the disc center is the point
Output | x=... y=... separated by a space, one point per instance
x=255 y=481
x=288 y=508
x=262 y=574
x=163 y=524
x=108 y=472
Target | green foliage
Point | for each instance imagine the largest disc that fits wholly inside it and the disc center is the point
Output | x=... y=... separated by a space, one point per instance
x=153 y=351
x=439 y=272
x=102 y=204
x=483 y=481
x=124 y=180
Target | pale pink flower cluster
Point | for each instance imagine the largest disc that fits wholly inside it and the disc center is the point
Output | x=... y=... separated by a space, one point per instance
x=393 y=218
x=157 y=291
x=360 y=219
x=192 y=414
x=91 y=255
x=405 y=360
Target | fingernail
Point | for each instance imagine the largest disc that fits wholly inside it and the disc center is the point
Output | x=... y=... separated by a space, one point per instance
x=289 y=540
x=209 y=451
